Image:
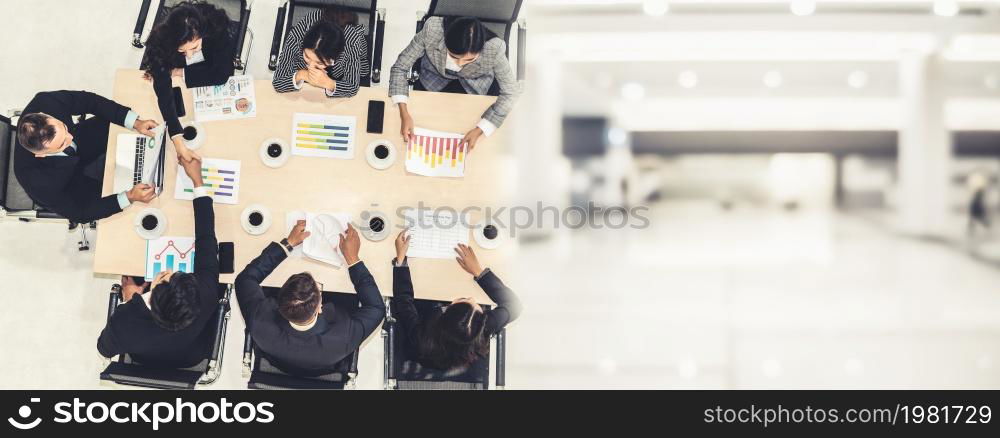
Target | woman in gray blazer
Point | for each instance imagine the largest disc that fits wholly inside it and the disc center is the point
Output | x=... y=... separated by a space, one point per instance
x=456 y=55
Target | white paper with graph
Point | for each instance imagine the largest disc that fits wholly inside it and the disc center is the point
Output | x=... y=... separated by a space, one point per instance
x=322 y=135
x=221 y=178
x=435 y=234
x=236 y=99
x=434 y=153
x=169 y=254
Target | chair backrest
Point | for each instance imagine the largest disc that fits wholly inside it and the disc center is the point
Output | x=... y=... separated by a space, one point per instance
x=12 y=196
x=498 y=16
x=234 y=8
x=365 y=9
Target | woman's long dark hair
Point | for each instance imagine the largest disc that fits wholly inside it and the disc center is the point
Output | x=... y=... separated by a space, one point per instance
x=453 y=338
x=184 y=22
x=464 y=35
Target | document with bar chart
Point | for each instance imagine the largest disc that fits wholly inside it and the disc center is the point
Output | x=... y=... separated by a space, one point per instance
x=221 y=178
x=322 y=135
x=434 y=153
x=169 y=254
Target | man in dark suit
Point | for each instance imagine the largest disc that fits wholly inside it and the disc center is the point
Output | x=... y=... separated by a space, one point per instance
x=168 y=325
x=60 y=163
x=297 y=332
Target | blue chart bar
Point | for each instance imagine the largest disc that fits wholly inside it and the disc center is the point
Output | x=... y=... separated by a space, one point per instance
x=156 y=268
x=182 y=267
x=170 y=262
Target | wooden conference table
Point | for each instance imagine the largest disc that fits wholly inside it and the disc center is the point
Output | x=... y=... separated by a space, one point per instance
x=319 y=185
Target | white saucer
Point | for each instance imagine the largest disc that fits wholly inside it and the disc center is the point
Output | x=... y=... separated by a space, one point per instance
x=161 y=223
x=199 y=140
x=259 y=229
x=375 y=236
x=484 y=242
x=380 y=163
x=280 y=160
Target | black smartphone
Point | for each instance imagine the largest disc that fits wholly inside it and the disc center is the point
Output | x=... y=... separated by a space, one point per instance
x=226 y=257
x=179 y=102
x=376 y=112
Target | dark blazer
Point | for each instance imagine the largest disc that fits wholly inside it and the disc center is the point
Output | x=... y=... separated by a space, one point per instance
x=220 y=52
x=508 y=306
x=132 y=329
x=59 y=183
x=315 y=351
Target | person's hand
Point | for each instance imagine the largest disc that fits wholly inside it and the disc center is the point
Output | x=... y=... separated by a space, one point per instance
x=402 y=245
x=350 y=244
x=319 y=78
x=145 y=127
x=141 y=193
x=177 y=73
x=130 y=288
x=184 y=154
x=467 y=260
x=301 y=76
x=298 y=234
x=193 y=170
x=472 y=138
x=148 y=77
x=405 y=125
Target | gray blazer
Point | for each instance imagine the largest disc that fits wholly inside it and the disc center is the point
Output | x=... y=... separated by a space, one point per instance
x=476 y=77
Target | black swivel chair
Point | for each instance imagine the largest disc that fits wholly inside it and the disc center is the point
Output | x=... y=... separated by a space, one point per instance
x=127 y=371
x=237 y=10
x=402 y=372
x=369 y=16
x=14 y=201
x=265 y=375
x=499 y=16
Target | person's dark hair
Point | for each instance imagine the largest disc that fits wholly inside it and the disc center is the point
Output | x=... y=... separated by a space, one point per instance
x=464 y=35
x=454 y=338
x=339 y=15
x=326 y=38
x=182 y=23
x=34 y=130
x=175 y=304
x=298 y=298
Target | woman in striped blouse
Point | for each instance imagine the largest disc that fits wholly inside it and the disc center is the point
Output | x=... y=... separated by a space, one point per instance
x=323 y=54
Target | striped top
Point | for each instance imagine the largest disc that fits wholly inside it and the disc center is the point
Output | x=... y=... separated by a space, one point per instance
x=347 y=70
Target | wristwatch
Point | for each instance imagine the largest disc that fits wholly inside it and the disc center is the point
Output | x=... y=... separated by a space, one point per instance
x=288 y=246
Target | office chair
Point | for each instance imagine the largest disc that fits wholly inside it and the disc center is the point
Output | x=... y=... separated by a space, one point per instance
x=237 y=10
x=369 y=16
x=264 y=374
x=128 y=371
x=14 y=201
x=402 y=372
x=499 y=16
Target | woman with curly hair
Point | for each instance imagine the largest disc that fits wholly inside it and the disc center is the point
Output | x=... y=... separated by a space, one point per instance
x=193 y=42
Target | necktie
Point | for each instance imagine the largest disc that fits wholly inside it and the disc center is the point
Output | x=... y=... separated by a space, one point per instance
x=70 y=151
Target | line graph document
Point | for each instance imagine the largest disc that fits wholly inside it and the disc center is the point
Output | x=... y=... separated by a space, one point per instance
x=435 y=234
x=169 y=254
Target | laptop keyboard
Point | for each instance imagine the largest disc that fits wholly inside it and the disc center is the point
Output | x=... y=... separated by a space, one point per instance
x=140 y=157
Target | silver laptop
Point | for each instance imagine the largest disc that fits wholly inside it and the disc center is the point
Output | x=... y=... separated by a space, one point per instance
x=140 y=159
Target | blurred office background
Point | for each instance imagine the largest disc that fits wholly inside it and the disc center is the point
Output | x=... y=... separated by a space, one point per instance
x=809 y=168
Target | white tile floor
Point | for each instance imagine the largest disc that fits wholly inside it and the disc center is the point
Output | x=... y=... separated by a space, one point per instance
x=702 y=299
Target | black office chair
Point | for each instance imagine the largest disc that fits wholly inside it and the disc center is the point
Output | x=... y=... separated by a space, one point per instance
x=264 y=374
x=14 y=201
x=400 y=371
x=369 y=16
x=499 y=16
x=237 y=10
x=127 y=371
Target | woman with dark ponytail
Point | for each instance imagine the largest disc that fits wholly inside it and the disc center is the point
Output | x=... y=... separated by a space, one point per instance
x=456 y=55
x=192 y=42
x=458 y=334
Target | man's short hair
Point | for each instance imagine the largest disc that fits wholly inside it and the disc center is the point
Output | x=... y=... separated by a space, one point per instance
x=34 y=130
x=298 y=298
x=175 y=304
